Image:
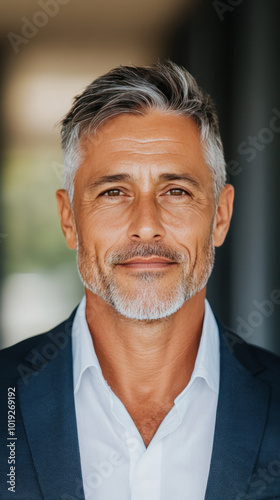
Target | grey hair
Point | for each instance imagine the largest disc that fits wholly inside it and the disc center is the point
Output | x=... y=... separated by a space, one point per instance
x=136 y=90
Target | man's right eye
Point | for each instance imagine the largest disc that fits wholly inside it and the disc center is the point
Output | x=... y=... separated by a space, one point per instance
x=111 y=192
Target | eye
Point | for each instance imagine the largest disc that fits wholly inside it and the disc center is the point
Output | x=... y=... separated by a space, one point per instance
x=111 y=193
x=178 y=192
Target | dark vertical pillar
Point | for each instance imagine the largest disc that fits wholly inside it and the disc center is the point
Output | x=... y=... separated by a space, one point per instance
x=234 y=54
x=256 y=147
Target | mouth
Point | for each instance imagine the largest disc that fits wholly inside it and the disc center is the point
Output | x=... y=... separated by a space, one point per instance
x=149 y=263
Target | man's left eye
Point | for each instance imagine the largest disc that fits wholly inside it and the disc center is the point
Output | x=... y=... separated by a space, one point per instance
x=177 y=192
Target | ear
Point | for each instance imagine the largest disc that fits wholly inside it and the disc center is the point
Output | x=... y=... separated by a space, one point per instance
x=223 y=214
x=67 y=220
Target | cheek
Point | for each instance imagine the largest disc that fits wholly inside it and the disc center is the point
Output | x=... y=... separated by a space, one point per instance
x=104 y=218
x=99 y=232
x=100 y=228
x=190 y=227
x=193 y=238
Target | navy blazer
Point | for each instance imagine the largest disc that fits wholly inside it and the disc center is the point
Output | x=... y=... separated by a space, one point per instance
x=245 y=463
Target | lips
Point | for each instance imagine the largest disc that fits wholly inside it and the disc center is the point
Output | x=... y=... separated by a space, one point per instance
x=147 y=263
x=148 y=260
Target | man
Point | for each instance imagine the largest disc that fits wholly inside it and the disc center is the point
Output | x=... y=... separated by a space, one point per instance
x=141 y=393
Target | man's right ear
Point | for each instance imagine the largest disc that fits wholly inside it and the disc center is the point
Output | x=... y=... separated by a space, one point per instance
x=67 y=220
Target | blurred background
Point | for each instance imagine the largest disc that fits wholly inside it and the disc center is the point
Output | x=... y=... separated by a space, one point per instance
x=49 y=51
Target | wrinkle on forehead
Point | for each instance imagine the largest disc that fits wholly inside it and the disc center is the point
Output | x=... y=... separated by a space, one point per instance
x=156 y=126
x=154 y=140
x=130 y=153
x=146 y=140
x=146 y=145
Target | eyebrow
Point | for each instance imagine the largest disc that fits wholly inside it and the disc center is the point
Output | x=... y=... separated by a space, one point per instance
x=105 y=179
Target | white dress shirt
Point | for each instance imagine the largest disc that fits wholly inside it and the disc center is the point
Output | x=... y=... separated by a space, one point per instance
x=115 y=463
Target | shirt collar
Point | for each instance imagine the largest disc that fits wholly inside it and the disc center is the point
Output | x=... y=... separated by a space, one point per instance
x=206 y=364
x=84 y=355
x=207 y=361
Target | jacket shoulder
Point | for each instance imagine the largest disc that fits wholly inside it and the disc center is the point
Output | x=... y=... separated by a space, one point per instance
x=259 y=361
x=270 y=361
x=34 y=348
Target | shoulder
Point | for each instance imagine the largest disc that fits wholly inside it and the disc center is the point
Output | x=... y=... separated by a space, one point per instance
x=257 y=360
x=35 y=349
x=270 y=362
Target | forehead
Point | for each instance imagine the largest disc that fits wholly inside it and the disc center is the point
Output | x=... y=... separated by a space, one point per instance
x=154 y=140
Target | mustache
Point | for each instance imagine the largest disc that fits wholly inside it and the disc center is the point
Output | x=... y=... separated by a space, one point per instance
x=147 y=250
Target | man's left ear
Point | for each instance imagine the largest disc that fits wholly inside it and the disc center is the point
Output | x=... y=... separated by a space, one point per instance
x=223 y=214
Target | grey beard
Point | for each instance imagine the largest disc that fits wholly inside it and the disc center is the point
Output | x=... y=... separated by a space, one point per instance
x=149 y=302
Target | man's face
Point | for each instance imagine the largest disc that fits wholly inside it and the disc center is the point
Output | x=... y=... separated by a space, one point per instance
x=144 y=214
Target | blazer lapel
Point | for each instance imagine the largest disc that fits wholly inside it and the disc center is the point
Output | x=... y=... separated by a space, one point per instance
x=241 y=415
x=48 y=412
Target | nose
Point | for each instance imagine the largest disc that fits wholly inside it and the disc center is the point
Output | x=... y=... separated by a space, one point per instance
x=145 y=220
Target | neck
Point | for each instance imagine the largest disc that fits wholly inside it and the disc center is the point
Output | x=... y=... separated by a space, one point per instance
x=146 y=362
